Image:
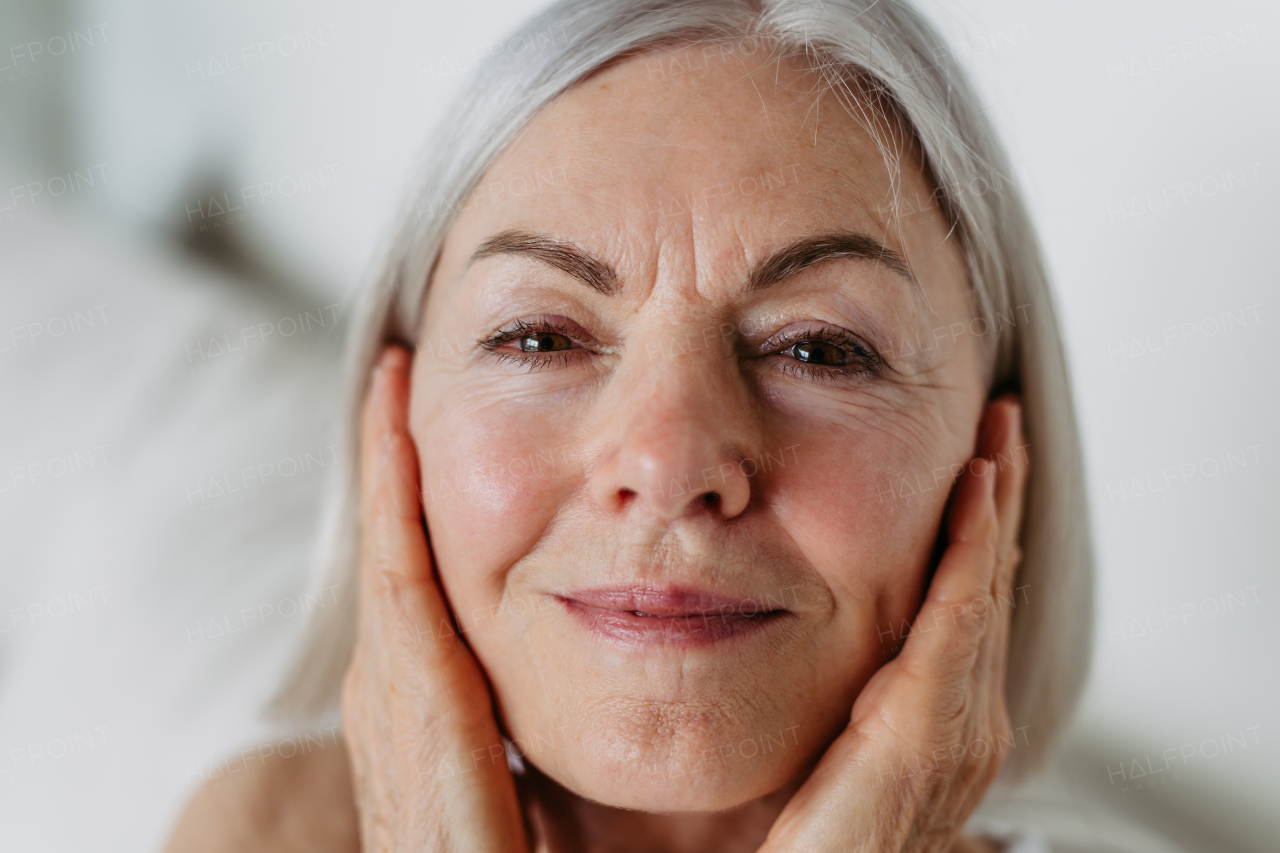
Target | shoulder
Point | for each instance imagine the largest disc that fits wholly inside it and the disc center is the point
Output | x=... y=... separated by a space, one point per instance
x=305 y=802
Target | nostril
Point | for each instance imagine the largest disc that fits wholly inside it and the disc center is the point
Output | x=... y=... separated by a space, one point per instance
x=711 y=499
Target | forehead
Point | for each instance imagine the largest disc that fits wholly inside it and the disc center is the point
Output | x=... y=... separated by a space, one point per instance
x=705 y=126
x=714 y=152
x=686 y=110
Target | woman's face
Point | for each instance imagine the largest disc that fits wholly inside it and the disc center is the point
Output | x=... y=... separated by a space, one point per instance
x=686 y=434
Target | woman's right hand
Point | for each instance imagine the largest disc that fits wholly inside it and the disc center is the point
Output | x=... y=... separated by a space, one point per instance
x=428 y=761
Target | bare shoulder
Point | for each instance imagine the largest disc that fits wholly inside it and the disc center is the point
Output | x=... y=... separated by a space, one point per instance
x=304 y=802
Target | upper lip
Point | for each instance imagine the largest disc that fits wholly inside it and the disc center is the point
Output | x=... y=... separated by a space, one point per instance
x=670 y=601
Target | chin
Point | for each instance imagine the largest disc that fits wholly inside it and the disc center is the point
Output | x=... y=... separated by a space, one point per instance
x=669 y=759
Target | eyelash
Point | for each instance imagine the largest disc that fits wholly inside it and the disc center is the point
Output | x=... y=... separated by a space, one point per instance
x=866 y=360
x=523 y=329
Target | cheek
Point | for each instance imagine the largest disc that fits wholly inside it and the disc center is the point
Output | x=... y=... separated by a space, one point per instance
x=492 y=482
x=865 y=512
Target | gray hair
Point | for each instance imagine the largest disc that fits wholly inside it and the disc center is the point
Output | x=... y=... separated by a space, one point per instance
x=881 y=46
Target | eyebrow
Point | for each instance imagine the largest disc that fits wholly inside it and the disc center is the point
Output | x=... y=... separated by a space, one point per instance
x=567 y=257
x=803 y=254
x=782 y=264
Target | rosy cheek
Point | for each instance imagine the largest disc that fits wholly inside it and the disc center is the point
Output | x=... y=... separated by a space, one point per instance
x=857 y=531
x=492 y=481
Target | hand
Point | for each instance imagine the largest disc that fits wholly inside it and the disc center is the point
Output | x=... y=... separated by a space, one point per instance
x=906 y=773
x=428 y=762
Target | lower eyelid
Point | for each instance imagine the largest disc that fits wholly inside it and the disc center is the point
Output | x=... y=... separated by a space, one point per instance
x=810 y=373
x=533 y=361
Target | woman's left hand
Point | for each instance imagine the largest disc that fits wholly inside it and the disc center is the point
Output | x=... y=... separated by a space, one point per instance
x=906 y=773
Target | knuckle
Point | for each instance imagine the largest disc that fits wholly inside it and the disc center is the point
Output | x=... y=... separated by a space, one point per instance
x=970 y=620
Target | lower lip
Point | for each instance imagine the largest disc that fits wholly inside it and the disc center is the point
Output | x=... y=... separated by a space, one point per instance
x=695 y=629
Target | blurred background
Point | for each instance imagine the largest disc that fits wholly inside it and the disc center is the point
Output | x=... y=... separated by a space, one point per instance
x=189 y=193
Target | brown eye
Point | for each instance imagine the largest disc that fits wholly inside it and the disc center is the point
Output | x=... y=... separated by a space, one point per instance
x=819 y=352
x=545 y=342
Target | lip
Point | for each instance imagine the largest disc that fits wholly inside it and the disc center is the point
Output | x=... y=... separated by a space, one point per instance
x=669 y=615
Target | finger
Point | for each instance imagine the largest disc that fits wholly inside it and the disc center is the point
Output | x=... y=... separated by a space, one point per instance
x=944 y=639
x=1004 y=443
x=389 y=531
x=400 y=600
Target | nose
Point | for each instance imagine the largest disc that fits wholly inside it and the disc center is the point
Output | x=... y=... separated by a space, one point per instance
x=679 y=450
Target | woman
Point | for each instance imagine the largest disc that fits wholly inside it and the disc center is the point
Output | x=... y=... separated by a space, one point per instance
x=694 y=488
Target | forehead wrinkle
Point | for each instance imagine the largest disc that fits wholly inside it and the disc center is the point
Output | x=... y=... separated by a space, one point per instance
x=667 y=269
x=850 y=152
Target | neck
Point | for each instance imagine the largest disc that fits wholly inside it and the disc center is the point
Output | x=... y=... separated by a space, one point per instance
x=562 y=821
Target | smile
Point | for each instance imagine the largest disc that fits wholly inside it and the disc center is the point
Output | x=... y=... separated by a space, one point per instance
x=647 y=615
